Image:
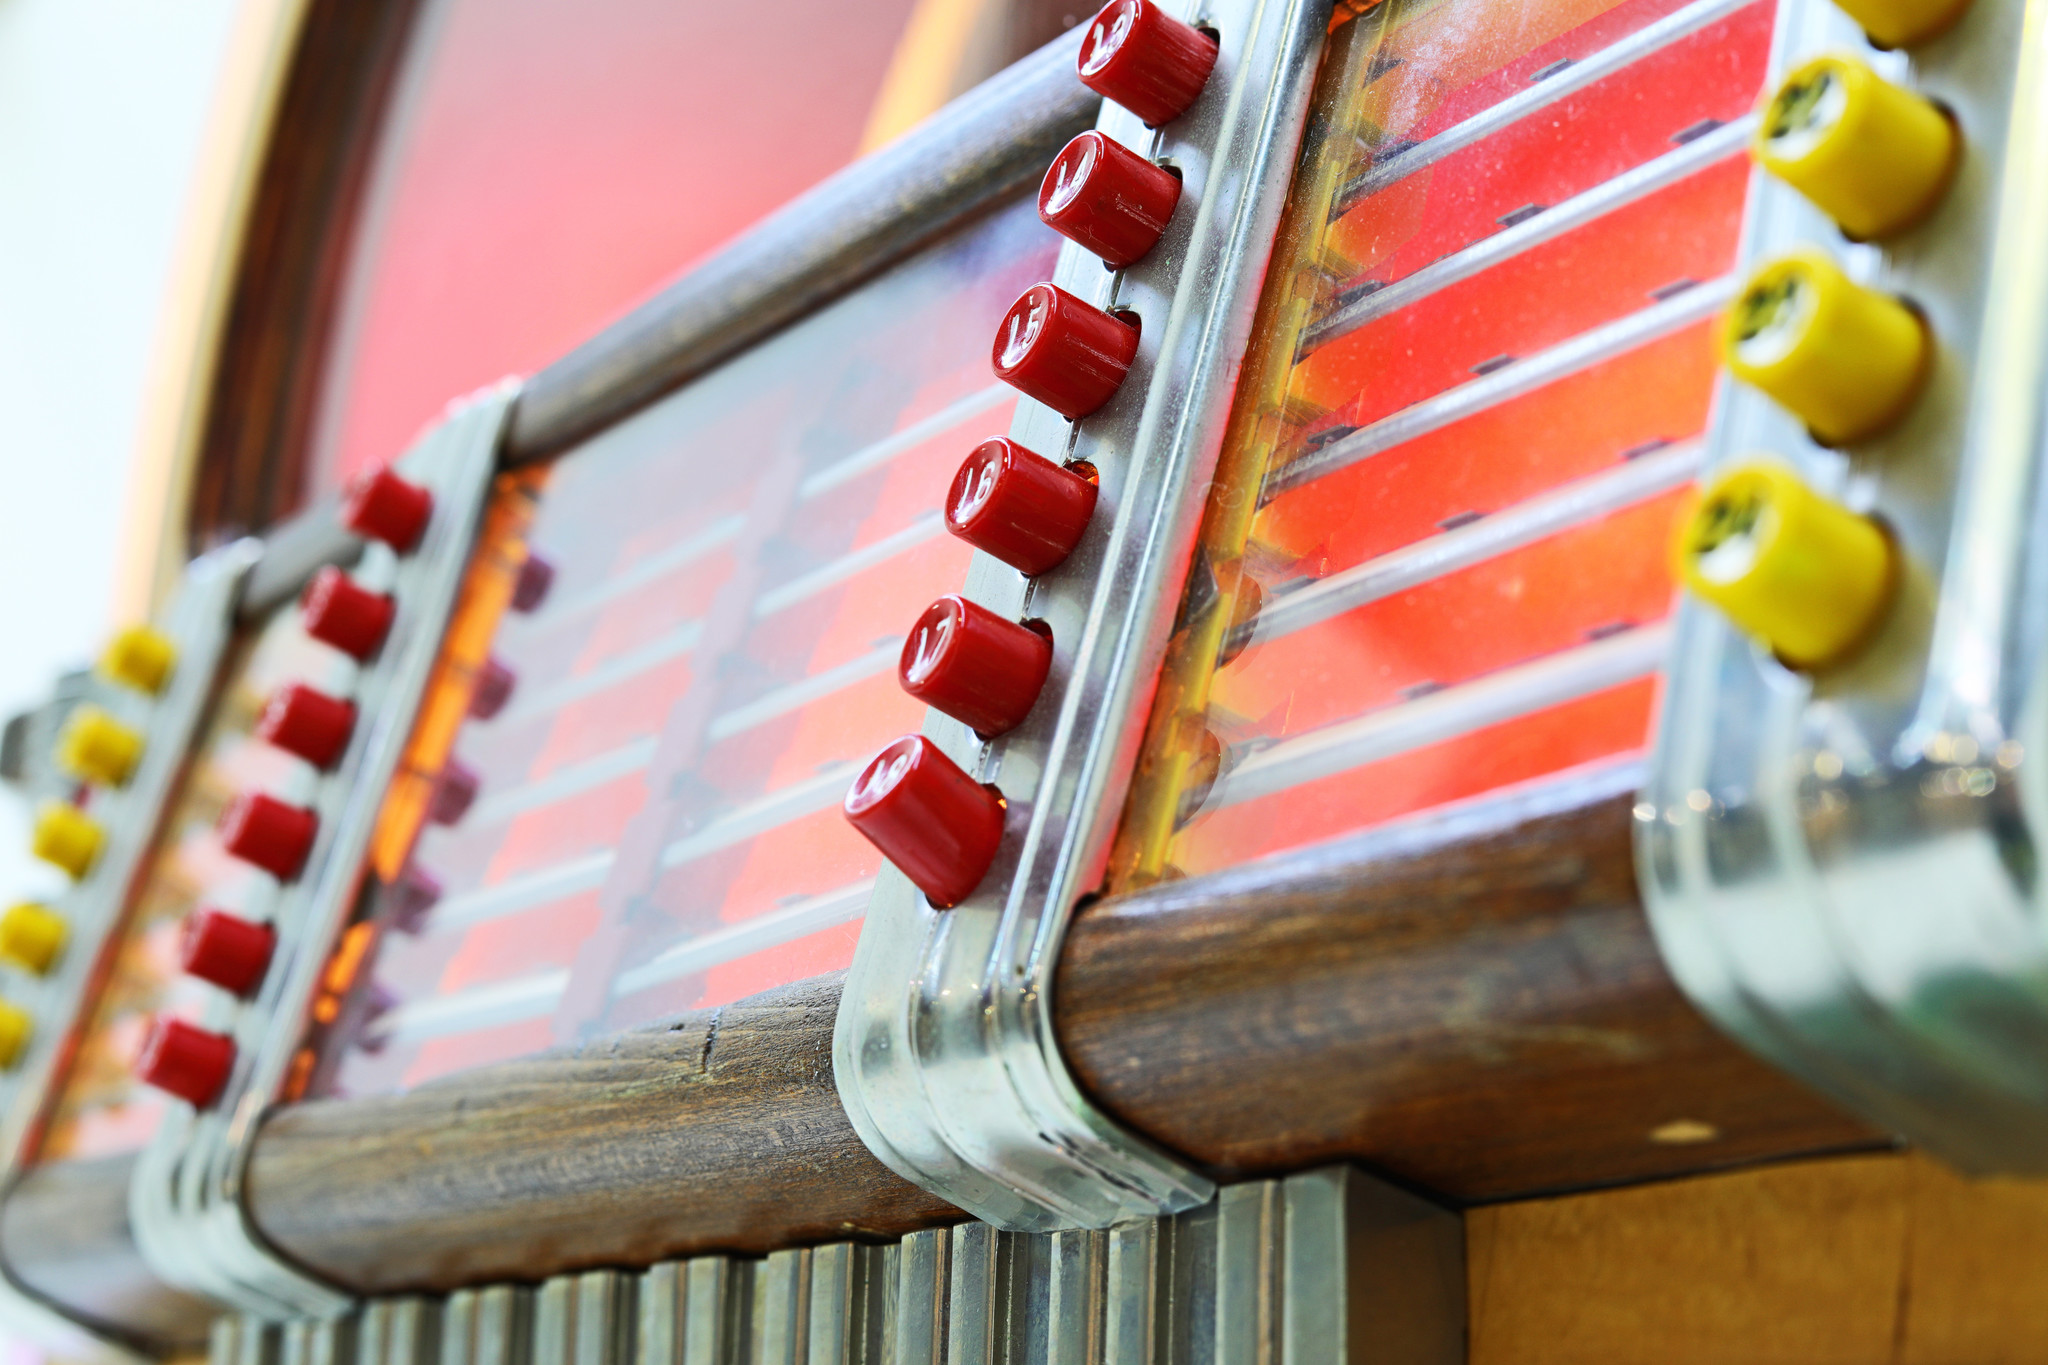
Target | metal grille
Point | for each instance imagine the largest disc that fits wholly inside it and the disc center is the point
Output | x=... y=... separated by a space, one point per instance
x=1317 y=1269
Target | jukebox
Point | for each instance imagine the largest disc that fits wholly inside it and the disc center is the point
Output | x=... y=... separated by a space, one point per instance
x=1303 y=683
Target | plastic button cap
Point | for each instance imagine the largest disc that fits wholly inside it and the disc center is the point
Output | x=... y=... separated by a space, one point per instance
x=1106 y=197
x=16 y=1028
x=1844 y=359
x=1067 y=354
x=66 y=837
x=1145 y=59
x=268 y=833
x=340 y=612
x=185 y=1060
x=307 y=722
x=141 y=658
x=94 y=747
x=933 y=821
x=32 y=936
x=228 y=950
x=491 y=689
x=1798 y=572
x=974 y=665
x=1019 y=506
x=530 y=588
x=1902 y=23
x=382 y=506
x=1873 y=156
x=454 y=793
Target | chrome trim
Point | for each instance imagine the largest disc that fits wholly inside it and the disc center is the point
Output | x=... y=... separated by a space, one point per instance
x=957 y=1003
x=185 y=1203
x=1588 y=70
x=1843 y=872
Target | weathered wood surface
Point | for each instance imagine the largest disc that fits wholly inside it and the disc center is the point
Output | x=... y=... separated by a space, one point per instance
x=1475 y=1005
x=721 y=1132
x=64 y=1235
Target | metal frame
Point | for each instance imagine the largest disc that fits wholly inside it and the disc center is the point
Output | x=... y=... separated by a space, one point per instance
x=959 y=1001
x=185 y=1204
x=1844 y=872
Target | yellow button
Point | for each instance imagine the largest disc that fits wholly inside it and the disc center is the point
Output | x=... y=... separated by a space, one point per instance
x=1846 y=360
x=15 y=1028
x=1874 y=157
x=140 y=657
x=94 y=747
x=32 y=936
x=68 y=837
x=1902 y=23
x=1799 y=572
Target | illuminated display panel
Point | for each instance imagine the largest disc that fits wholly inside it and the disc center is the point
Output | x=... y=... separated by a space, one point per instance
x=545 y=164
x=656 y=825
x=1437 y=564
x=101 y=1108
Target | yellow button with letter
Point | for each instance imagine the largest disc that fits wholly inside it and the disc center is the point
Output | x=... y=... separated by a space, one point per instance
x=1874 y=157
x=1799 y=572
x=1844 y=359
x=15 y=1028
x=94 y=747
x=68 y=837
x=140 y=657
x=1902 y=23
x=32 y=936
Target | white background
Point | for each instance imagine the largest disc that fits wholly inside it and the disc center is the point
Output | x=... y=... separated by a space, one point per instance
x=103 y=104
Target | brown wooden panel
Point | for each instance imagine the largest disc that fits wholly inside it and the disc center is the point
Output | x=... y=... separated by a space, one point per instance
x=1473 y=1003
x=721 y=1132
x=64 y=1236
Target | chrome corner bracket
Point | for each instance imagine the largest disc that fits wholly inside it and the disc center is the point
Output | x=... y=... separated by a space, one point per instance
x=186 y=1202
x=945 y=1054
x=1846 y=871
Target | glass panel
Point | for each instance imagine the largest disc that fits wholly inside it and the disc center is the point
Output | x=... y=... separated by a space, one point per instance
x=1435 y=561
x=733 y=570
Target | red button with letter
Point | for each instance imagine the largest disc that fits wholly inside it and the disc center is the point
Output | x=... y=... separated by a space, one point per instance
x=454 y=793
x=382 y=506
x=1145 y=59
x=340 y=612
x=1018 y=506
x=932 y=820
x=1108 y=198
x=1069 y=355
x=491 y=690
x=975 y=666
x=305 y=721
x=185 y=1060
x=268 y=833
x=530 y=589
x=231 y=952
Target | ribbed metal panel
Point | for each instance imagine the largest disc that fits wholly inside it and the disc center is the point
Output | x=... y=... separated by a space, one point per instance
x=1328 y=1268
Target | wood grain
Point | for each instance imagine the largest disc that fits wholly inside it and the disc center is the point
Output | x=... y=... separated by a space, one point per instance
x=64 y=1237
x=721 y=1132
x=1473 y=1003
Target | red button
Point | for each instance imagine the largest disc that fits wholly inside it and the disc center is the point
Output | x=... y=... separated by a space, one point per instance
x=1108 y=198
x=338 y=612
x=416 y=892
x=185 y=1060
x=1149 y=62
x=975 y=666
x=454 y=793
x=1020 y=507
x=305 y=721
x=264 y=831
x=382 y=506
x=226 y=949
x=530 y=589
x=932 y=820
x=491 y=690
x=1069 y=355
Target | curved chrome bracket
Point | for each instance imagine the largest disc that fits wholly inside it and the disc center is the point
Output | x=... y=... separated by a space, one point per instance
x=1845 y=872
x=945 y=1053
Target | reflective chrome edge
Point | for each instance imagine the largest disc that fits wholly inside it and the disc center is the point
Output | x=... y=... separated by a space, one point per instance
x=186 y=1200
x=200 y=617
x=1844 y=874
x=1325 y=1268
x=944 y=1053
